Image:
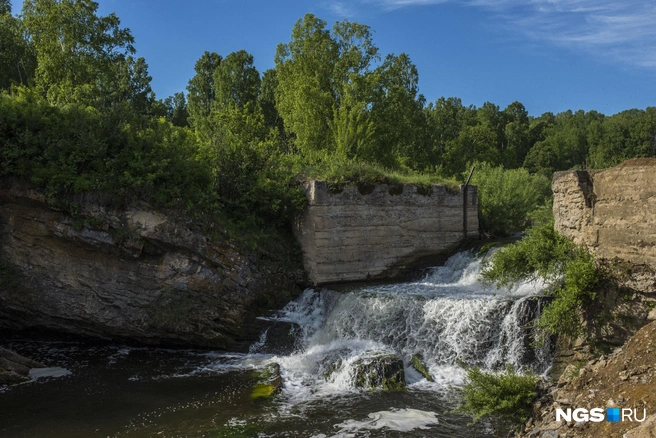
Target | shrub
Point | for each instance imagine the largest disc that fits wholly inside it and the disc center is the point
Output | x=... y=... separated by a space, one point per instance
x=507 y=394
x=571 y=271
x=507 y=197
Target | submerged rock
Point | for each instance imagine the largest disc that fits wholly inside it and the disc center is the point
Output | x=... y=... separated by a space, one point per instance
x=418 y=364
x=15 y=368
x=380 y=371
x=268 y=382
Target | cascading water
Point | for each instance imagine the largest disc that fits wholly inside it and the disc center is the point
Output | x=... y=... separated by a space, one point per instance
x=448 y=317
x=324 y=342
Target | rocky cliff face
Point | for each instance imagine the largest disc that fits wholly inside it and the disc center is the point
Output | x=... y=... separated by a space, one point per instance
x=612 y=212
x=132 y=274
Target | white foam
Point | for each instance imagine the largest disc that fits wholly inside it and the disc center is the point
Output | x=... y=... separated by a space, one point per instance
x=401 y=420
x=38 y=373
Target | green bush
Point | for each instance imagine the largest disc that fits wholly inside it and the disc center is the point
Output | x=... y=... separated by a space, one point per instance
x=568 y=268
x=507 y=394
x=508 y=197
x=77 y=149
x=563 y=314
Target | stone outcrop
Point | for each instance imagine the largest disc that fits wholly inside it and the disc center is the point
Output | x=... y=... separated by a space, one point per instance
x=611 y=211
x=268 y=382
x=133 y=274
x=368 y=232
x=15 y=368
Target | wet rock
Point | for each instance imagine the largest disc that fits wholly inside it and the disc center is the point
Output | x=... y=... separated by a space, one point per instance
x=15 y=368
x=417 y=363
x=381 y=371
x=332 y=362
x=281 y=338
x=268 y=382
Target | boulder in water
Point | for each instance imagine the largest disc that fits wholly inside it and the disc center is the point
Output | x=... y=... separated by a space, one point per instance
x=418 y=364
x=269 y=382
x=383 y=371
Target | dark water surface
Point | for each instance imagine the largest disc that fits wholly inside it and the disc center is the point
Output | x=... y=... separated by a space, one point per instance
x=118 y=391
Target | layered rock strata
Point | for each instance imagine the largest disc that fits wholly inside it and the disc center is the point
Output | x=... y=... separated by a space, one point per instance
x=134 y=274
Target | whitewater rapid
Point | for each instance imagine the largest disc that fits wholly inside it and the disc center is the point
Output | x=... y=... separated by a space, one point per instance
x=448 y=317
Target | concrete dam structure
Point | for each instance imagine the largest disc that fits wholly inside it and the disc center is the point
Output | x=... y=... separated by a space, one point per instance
x=378 y=231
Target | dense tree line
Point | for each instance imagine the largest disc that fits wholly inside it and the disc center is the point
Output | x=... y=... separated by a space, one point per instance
x=79 y=114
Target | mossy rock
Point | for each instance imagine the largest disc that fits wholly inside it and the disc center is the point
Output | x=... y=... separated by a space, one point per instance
x=268 y=382
x=382 y=371
x=418 y=364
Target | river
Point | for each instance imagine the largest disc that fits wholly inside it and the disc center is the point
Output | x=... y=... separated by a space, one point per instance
x=447 y=316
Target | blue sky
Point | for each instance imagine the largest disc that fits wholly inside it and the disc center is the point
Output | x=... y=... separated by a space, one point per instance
x=551 y=55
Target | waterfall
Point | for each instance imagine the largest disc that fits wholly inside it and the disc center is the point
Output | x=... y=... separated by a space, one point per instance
x=448 y=317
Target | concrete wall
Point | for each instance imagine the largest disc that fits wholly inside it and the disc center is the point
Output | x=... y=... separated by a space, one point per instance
x=379 y=231
x=611 y=211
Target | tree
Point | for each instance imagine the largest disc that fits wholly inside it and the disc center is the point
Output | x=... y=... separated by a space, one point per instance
x=236 y=81
x=516 y=134
x=176 y=110
x=397 y=114
x=201 y=90
x=325 y=86
x=445 y=119
x=5 y=7
x=74 y=46
x=267 y=99
x=17 y=59
x=125 y=87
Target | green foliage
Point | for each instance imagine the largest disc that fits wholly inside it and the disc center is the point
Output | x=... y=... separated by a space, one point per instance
x=563 y=314
x=338 y=172
x=81 y=57
x=508 y=197
x=546 y=254
x=507 y=394
x=72 y=150
x=79 y=115
x=17 y=57
x=543 y=253
x=202 y=91
x=335 y=100
x=176 y=111
x=254 y=182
